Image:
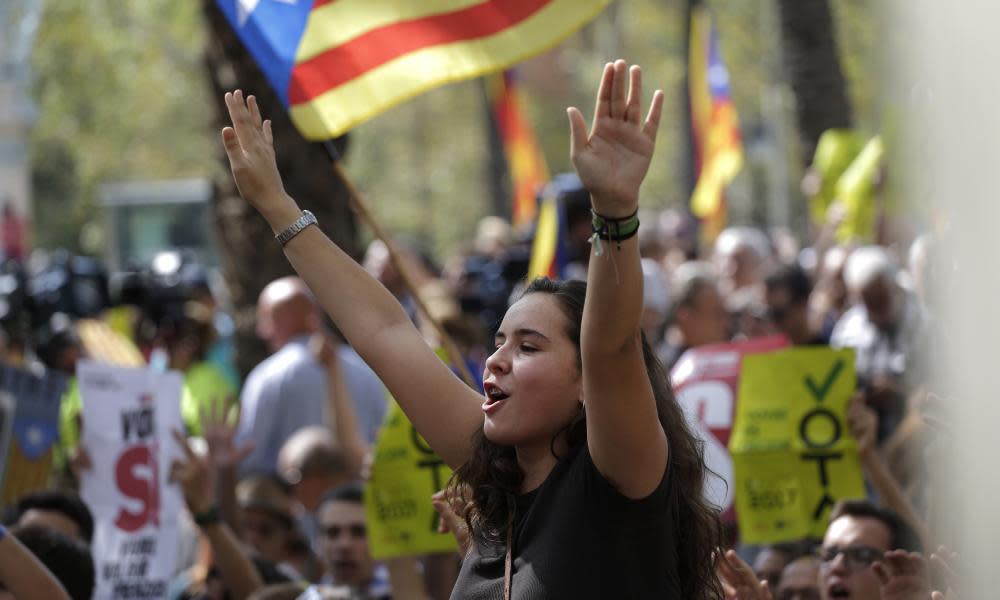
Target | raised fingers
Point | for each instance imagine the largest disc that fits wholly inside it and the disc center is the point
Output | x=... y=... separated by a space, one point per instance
x=652 y=124
x=942 y=562
x=603 y=108
x=618 y=102
x=741 y=572
x=182 y=442
x=634 y=101
x=241 y=118
x=254 y=111
x=267 y=132
x=882 y=572
x=235 y=108
x=577 y=131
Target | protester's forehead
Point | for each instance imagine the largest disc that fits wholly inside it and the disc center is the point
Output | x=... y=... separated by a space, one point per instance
x=535 y=312
x=778 y=295
x=770 y=559
x=801 y=572
x=258 y=513
x=878 y=285
x=51 y=519
x=850 y=530
x=708 y=297
x=341 y=512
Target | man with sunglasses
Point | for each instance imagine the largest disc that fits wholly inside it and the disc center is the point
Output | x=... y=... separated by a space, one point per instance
x=860 y=534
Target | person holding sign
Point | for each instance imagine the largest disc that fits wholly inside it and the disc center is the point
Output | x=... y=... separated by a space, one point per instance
x=585 y=480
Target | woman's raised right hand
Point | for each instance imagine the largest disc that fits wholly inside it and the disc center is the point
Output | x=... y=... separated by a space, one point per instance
x=250 y=148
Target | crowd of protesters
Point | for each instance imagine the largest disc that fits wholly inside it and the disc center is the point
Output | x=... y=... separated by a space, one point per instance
x=274 y=467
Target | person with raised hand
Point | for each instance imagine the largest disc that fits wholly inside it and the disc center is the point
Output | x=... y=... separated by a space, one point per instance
x=194 y=476
x=739 y=582
x=584 y=479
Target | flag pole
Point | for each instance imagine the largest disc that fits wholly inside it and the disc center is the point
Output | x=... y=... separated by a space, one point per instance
x=496 y=167
x=688 y=176
x=360 y=208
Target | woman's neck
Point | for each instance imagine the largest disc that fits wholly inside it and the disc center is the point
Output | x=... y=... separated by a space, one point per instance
x=536 y=461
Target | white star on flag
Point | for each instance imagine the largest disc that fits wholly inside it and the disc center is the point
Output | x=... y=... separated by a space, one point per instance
x=35 y=436
x=245 y=8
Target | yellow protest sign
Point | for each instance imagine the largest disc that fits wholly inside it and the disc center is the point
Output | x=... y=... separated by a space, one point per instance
x=835 y=151
x=405 y=473
x=856 y=191
x=793 y=455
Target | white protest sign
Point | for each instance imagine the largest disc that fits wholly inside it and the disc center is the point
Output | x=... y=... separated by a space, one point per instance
x=127 y=418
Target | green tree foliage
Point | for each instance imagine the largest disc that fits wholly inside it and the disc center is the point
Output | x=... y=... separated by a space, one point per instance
x=120 y=95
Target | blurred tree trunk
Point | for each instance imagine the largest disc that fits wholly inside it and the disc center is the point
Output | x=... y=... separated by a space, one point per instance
x=250 y=257
x=809 y=47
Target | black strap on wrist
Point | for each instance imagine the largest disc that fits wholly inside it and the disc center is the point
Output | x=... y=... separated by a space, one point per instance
x=210 y=516
x=612 y=229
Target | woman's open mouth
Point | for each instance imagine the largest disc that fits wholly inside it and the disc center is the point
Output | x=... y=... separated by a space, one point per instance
x=494 y=397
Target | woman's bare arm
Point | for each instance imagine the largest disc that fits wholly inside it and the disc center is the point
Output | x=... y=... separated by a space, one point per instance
x=442 y=408
x=23 y=575
x=628 y=445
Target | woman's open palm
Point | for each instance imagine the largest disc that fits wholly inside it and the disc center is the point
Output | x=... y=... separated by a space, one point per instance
x=613 y=158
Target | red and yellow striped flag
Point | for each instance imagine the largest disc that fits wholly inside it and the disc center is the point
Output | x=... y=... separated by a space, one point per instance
x=525 y=161
x=336 y=63
x=718 y=144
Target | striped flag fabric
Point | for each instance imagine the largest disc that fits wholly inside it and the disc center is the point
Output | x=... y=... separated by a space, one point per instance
x=29 y=429
x=336 y=63
x=525 y=161
x=550 y=247
x=718 y=143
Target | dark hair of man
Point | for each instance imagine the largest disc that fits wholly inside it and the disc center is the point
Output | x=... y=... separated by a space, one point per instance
x=493 y=475
x=791 y=278
x=349 y=492
x=66 y=502
x=901 y=535
x=69 y=560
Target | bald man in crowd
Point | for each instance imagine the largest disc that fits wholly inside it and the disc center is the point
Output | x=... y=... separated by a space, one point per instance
x=288 y=390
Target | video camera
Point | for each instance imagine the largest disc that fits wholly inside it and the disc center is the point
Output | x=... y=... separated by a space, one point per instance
x=39 y=299
x=162 y=289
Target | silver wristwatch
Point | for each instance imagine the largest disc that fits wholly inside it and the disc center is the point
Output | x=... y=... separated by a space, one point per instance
x=292 y=230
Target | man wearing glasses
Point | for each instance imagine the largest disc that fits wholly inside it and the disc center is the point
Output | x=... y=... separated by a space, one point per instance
x=858 y=535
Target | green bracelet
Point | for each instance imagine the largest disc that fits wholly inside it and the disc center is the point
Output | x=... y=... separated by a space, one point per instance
x=612 y=229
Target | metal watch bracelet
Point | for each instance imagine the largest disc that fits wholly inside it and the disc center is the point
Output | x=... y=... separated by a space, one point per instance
x=292 y=230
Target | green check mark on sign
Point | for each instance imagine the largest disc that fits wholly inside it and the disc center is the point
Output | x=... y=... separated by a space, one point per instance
x=820 y=392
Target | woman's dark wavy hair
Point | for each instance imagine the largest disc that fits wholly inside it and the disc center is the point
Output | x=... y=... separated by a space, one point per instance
x=491 y=478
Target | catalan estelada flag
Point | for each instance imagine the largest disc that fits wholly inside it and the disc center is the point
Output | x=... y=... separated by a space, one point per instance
x=525 y=161
x=336 y=63
x=29 y=430
x=550 y=248
x=718 y=145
